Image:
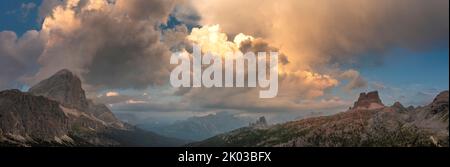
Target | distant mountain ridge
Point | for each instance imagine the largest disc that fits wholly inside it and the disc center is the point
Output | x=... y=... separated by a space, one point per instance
x=56 y=112
x=201 y=127
x=361 y=125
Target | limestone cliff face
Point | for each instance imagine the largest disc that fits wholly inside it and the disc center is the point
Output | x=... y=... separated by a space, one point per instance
x=440 y=103
x=51 y=111
x=64 y=87
x=260 y=123
x=103 y=113
x=434 y=116
x=24 y=117
x=369 y=101
x=56 y=112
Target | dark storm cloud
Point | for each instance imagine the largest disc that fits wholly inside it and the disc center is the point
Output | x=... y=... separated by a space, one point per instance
x=110 y=44
x=129 y=54
x=186 y=13
x=322 y=33
x=153 y=10
x=259 y=45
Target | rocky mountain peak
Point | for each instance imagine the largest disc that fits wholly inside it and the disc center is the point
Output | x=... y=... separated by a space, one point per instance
x=370 y=100
x=260 y=123
x=440 y=102
x=64 y=87
x=441 y=97
x=397 y=106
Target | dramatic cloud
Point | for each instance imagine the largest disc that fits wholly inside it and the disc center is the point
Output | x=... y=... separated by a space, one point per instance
x=112 y=94
x=176 y=39
x=259 y=45
x=116 y=46
x=297 y=92
x=355 y=80
x=46 y=8
x=297 y=89
x=152 y=10
x=110 y=44
x=319 y=41
x=314 y=33
x=18 y=56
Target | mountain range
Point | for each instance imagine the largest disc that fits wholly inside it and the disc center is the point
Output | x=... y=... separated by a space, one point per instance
x=56 y=112
x=368 y=123
x=199 y=127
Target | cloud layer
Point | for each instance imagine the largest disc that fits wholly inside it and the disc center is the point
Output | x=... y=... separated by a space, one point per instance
x=111 y=45
x=18 y=56
x=313 y=33
x=120 y=46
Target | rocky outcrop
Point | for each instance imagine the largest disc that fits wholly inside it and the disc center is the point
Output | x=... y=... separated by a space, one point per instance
x=368 y=101
x=433 y=116
x=56 y=112
x=260 y=123
x=397 y=106
x=421 y=126
x=64 y=87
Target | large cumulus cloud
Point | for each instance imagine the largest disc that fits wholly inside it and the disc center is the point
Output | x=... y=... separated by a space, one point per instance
x=314 y=33
x=111 y=44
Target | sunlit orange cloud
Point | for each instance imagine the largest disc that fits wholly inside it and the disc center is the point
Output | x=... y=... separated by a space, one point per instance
x=315 y=34
x=212 y=39
x=322 y=38
x=294 y=85
x=63 y=20
x=74 y=33
x=316 y=37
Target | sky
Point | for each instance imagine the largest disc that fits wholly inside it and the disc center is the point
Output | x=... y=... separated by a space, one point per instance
x=19 y=16
x=334 y=50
